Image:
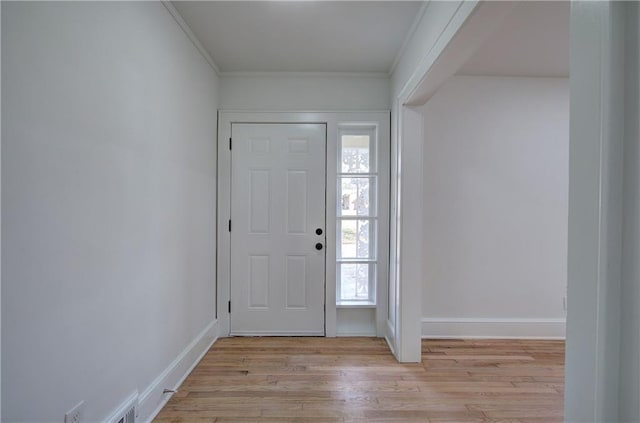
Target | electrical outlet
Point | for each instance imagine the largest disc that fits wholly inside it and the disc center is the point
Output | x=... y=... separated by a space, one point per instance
x=75 y=414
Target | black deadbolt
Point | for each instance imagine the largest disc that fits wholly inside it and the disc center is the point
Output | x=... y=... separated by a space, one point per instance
x=318 y=231
x=319 y=246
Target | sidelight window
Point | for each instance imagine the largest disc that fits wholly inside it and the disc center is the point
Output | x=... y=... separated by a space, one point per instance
x=357 y=218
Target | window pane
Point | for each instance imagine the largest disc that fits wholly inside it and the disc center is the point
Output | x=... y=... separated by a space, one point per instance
x=355 y=155
x=355 y=281
x=356 y=239
x=357 y=197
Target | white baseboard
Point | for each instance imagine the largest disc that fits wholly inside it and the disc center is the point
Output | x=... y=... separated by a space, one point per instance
x=389 y=337
x=454 y=327
x=152 y=399
x=368 y=334
x=275 y=333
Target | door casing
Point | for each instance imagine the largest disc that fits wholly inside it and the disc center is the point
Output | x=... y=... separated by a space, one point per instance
x=333 y=120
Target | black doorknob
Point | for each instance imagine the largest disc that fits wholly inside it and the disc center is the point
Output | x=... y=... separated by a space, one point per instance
x=319 y=231
x=319 y=246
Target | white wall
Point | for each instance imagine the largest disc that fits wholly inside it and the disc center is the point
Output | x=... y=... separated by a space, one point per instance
x=291 y=92
x=108 y=193
x=495 y=207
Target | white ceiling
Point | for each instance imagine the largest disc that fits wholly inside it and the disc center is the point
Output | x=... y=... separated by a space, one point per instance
x=533 y=41
x=301 y=36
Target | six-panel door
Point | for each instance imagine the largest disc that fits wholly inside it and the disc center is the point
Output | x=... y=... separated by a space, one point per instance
x=277 y=207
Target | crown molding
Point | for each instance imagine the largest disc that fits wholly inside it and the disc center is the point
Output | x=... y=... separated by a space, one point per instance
x=410 y=33
x=192 y=37
x=279 y=74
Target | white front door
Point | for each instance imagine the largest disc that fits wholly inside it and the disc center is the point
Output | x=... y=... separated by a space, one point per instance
x=277 y=229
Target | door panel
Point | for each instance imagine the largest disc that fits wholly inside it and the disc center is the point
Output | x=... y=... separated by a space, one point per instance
x=277 y=203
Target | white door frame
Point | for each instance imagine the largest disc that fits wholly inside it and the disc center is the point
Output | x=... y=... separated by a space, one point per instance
x=603 y=333
x=471 y=24
x=601 y=357
x=333 y=120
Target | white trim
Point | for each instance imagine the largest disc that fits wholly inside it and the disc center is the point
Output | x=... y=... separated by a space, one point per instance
x=407 y=139
x=192 y=37
x=258 y=113
x=596 y=212
x=479 y=327
x=389 y=337
x=473 y=32
x=276 y=333
x=459 y=17
x=347 y=334
x=409 y=36
x=409 y=244
x=285 y=74
x=152 y=399
x=432 y=68
x=353 y=304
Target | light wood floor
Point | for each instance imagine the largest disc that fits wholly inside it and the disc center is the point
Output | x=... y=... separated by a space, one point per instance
x=357 y=379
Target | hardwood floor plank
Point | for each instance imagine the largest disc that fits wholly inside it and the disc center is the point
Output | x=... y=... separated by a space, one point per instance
x=358 y=380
